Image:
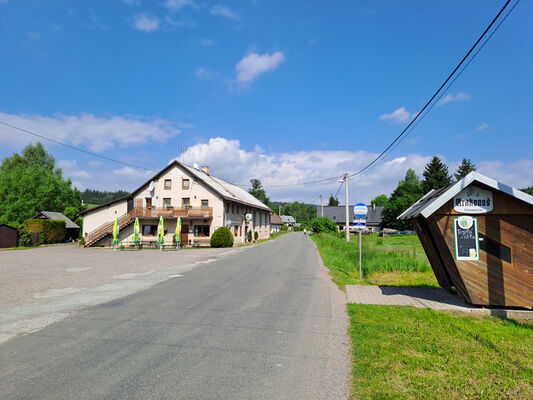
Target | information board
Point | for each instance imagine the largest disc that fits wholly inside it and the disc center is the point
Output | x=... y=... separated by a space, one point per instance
x=466 y=238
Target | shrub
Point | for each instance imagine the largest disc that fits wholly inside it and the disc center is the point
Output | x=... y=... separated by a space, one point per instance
x=249 y=236
x=256 y=235
x=222 y=237
x=25 y=238
x=284 y=228
x=322 y=224
x=51 y=231
x=82 y=241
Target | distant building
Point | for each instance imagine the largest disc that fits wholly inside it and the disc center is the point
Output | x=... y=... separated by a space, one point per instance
x=275 y=223
x=73 y=229
x=338 y=215
x=288 y=220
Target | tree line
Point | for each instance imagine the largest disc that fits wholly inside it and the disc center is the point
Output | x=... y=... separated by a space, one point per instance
x=90 y=196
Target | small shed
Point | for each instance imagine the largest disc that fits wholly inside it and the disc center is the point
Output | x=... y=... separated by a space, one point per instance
x=478 y=236
x=73 y=230
x=8 y=236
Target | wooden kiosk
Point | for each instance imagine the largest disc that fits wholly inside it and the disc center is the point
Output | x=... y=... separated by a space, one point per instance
x=478 y=236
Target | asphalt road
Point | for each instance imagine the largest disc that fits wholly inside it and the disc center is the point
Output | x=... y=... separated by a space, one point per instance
x=266 y=323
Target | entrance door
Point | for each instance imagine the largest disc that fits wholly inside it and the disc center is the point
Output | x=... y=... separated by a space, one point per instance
x=184 y=235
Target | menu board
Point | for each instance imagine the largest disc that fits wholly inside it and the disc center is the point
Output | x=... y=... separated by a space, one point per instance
x=466 y=238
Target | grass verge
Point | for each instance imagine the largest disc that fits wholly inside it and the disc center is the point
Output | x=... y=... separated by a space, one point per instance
x=397 y=260
x=405 y=353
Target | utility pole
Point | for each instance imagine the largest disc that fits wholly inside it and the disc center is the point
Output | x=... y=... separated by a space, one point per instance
x=321 y=207
x=347 y=208
x=279 y=212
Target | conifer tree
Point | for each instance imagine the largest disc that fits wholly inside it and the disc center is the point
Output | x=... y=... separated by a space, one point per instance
x=435 y=175
x=333 y=201
x=464 y=169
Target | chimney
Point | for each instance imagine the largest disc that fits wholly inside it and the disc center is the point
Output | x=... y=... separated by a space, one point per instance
x=205 y=169
x=195 y=165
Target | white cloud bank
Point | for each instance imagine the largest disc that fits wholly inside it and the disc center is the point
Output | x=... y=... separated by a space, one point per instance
x=450 y=98
x=398 y=116
x=146 y=23
x=253 y=65
x=98 y=133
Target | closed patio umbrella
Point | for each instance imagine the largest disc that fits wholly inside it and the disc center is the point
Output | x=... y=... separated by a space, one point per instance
x=116 y=230
x=177 y=235
x=136 y=231
x=161 y=232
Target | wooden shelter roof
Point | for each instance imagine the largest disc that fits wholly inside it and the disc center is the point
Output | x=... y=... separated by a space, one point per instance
x=435 y=199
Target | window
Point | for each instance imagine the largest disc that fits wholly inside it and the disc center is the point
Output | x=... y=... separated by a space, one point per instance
x=148 y=202
x=185 y=184
x=168 y=184
x=186 y=202
x=236 y=231
x=166 y=202
x=205 y=203
x=201 y=230
x=149 y=230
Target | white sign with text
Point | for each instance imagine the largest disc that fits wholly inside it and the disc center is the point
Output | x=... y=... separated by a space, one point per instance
x=473 y=200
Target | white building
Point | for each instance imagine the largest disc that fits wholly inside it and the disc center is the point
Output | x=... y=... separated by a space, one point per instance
x=202 y=201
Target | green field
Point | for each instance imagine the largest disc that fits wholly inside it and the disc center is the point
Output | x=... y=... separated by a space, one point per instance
x=405 y=353
x=397 y=260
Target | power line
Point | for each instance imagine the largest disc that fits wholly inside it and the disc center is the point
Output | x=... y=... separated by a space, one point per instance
x=435 y=94
x=75 y=148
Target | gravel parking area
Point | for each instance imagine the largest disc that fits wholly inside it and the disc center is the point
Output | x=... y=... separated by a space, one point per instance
x=39 y=286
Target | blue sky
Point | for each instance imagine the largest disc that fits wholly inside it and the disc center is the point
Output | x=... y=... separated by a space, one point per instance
x=283 y=91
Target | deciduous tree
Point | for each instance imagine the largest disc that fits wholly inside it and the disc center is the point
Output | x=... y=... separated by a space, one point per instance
x=30 y=183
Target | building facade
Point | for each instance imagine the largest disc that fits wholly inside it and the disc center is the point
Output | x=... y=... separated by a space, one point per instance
x=201 y=201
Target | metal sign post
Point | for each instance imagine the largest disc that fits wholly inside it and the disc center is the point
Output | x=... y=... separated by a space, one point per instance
x=360 y=210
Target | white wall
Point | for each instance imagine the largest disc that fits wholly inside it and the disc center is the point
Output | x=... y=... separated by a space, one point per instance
x=99 y=217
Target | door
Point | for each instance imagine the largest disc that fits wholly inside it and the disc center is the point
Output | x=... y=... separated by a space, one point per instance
x=184 y=235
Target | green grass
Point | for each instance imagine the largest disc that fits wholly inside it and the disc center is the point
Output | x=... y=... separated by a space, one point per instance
x=19 y=248
x=397 y=260
x=405 y=353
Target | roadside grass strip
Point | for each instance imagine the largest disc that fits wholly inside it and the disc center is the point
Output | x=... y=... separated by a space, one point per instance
x=405 y=353
x=397 y=260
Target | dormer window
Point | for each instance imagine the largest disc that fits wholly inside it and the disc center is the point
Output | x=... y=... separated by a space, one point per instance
x=185 y=184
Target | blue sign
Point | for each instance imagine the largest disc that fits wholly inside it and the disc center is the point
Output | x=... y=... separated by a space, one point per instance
x=360 y=210
x=359 y=223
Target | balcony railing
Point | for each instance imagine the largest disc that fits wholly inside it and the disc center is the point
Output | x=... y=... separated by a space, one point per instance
x=174 y=212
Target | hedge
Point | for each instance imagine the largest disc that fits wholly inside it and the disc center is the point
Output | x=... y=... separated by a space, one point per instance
x=51 y=231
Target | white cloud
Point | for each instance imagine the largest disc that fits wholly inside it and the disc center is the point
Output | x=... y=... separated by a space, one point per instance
x=518 y=174
x=482 y=127
x=449 y=98
x=98 y=133
x=398 y=116
x=229 y=161
x=177 y=5
x=146 y=23
x=205 y=74
x=224 y=11
x=253 y=65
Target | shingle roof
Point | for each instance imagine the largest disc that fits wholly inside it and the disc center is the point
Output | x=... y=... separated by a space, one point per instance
x=275 y=220
x=338 y=214
x=435 y=199
x=57 y=216
x=287 y=219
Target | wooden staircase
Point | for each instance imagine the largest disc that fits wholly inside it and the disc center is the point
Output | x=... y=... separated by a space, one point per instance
x=107 y=229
